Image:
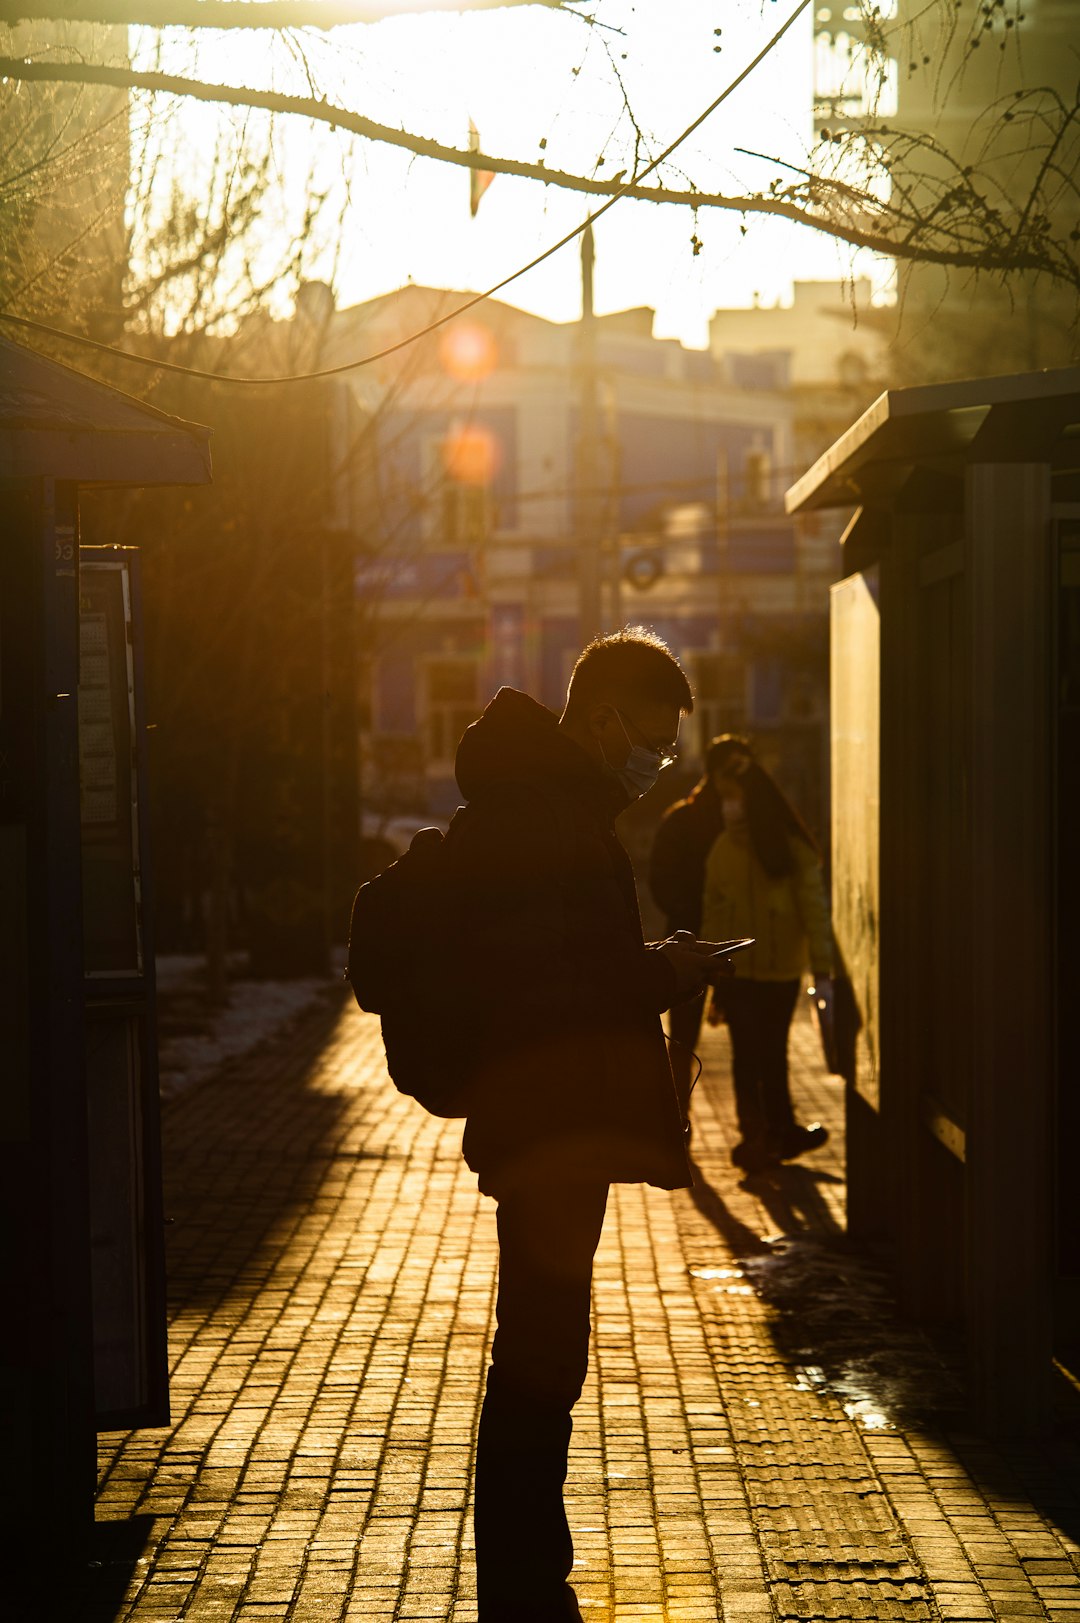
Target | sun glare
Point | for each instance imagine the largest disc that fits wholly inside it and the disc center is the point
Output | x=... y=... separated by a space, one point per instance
x=471 y=456
x=468 y=352
x=541 y=87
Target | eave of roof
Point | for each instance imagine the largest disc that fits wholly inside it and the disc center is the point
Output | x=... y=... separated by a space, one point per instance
x=937 y=424
x=58 y=423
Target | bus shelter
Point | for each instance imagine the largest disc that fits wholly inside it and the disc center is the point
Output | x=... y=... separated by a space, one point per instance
x=81 y=1250
x=955 y=698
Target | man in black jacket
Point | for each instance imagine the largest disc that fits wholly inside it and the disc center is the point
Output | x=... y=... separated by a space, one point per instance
x=573 y=1090
x=681 y=847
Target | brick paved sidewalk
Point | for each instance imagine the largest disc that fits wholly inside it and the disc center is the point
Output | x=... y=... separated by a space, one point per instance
x=743 y=1449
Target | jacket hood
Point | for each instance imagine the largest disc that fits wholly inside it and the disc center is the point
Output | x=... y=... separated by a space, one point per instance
x=517 y=741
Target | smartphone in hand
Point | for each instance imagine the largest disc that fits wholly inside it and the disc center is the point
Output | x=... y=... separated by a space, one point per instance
x=726 y=948
x=721 y=957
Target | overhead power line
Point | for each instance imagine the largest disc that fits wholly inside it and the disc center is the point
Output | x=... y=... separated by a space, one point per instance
x=441 y=321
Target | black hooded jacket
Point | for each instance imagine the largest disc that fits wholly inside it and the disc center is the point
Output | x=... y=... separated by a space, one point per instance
x=562 y=995
x=688 y=830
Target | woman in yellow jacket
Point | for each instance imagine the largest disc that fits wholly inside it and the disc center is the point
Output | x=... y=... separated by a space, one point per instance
x=763 y=879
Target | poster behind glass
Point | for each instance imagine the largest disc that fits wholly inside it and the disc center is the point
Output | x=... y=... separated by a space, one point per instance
x=107 y=778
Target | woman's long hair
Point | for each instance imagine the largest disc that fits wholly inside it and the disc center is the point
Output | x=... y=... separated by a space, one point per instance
x=772 y=821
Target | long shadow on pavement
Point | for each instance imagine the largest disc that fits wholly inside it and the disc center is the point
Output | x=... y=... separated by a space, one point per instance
x=836 y=1321
x=96 y=1590
x=242 y=1154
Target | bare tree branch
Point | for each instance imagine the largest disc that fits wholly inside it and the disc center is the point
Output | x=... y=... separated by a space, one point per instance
x=963 y=239
x=322 y=111
x=322 y=14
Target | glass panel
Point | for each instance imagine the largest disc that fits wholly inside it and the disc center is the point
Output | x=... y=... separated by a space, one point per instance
x=107 y=781
x=128 y=1265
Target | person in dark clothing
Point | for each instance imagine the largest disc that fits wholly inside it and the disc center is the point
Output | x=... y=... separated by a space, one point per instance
x=571 y=1088
x=677 y=881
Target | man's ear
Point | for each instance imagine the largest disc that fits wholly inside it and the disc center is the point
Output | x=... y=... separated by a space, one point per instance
x=599 y=716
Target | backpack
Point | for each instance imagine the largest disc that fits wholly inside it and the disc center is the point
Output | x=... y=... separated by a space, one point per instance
x=400 y=950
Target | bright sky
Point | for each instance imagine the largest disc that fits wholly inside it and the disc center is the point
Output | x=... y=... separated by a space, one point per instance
x=527 y=75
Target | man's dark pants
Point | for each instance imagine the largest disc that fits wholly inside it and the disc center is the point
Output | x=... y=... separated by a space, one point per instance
x=759 y=1015
x=548 y=1234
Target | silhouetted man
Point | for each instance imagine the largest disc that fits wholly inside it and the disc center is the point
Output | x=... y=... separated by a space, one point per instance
x=573 y=1090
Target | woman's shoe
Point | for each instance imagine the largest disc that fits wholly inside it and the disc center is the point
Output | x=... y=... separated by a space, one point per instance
x=754 y=1155
x=563 y=1608
x=799 y=1140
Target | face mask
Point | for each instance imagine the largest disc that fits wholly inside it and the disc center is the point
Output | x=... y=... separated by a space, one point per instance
x=639 y=771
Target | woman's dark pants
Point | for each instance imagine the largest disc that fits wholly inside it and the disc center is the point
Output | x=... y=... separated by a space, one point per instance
x=759 y=1016
x=547 y=1237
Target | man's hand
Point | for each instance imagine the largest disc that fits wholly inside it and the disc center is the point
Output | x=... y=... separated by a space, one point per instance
x=694 y=963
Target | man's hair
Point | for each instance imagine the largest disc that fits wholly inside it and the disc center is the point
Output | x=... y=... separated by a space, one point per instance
x=632 y=665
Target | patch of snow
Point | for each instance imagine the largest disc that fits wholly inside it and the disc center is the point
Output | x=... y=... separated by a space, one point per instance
x=256 y=1012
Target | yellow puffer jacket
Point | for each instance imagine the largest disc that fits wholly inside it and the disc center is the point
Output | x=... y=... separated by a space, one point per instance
x=788 y=917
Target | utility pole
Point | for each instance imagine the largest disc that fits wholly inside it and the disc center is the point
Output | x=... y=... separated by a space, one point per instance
x=611 y=566
x=587 y=516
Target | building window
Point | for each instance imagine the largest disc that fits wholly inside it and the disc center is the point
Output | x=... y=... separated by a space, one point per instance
x=459 y=468
x=465 y=514
x=365 y=694
x=758 y=478
x=852 y=78
x=767 y=693
x=719 y=696
x=804 y=699
x=452 y=703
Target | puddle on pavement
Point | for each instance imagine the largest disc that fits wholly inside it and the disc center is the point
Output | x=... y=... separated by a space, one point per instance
x=833 y=1316
x=723 y=1276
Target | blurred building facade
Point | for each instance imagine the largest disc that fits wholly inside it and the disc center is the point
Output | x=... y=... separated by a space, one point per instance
x=977 y=98
x=1014 y=62
x=835 y=344
x=469 y=575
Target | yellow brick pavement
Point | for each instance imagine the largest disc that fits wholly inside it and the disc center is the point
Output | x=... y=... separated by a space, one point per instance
x=332 y=1278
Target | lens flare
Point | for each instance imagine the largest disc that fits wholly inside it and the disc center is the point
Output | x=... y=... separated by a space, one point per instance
x=468 y=351
x=471 y=455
